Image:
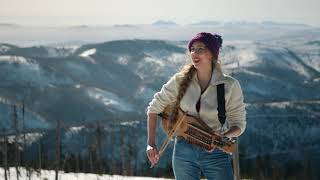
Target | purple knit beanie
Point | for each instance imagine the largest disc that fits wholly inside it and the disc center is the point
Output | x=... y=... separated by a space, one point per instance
x=212 y=41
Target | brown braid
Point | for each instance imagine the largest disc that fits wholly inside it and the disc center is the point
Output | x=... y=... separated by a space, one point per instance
x=188 y=71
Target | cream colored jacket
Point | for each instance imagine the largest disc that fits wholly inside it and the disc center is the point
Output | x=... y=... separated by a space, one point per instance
x=235 y=107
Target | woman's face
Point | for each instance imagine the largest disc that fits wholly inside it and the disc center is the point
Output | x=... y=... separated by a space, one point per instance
x=200 y=55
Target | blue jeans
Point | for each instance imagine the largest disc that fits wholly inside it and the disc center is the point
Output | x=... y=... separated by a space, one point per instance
x=188 y=161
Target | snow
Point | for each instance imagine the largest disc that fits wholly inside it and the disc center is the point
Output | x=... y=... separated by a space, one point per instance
x=178 y=58
x=156 y=61
x=260 y=75
x=295 y=65
x=76 y=129
x=129 y=123
x=246 y=57
x=109 y=99
x=50 y=175
x=144 y=92
x=87 y=53
x=316 y=80
x=295 y=56
x=33 y=121
x=5 y=100
x=30 y=138
x=52 y=52
x=161 y=65
x=19 y=60
x=280 y=105
x=60 y=51
x=123 y=60
x=4 y=48
x=28 y=70
x=240 y=54
x=232 y=65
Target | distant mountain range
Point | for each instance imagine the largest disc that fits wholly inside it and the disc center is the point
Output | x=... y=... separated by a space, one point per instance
x=160 y=30
x=112 y=82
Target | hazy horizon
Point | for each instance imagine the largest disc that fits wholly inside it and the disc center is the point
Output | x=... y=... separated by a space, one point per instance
x=25 y=22
x=97 y=12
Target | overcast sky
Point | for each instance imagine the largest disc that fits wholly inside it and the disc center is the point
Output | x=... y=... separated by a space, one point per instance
x=105 y=12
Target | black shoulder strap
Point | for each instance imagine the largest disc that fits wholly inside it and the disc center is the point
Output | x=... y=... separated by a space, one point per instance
x=221 y=103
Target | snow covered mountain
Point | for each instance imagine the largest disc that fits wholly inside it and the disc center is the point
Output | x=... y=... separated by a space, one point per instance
x=112 y=82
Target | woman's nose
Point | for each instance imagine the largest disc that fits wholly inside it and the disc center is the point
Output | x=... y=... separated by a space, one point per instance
x=193 y=54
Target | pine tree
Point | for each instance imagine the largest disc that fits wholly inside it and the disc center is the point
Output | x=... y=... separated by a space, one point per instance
x=17 y=153
x=24 y=137
x=99 y=147
x=5 y=154
x=40 y=156
x=58 y=148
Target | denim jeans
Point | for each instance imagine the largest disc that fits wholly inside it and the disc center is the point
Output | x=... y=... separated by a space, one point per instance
x=189 y=160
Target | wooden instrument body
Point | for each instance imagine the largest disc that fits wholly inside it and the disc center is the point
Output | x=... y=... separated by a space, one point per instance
x=195 y=131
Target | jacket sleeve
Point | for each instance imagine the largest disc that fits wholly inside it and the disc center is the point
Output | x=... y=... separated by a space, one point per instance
x=235 y=108
x=165 y=96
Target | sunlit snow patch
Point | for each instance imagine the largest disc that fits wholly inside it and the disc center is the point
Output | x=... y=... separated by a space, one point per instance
x=109 y=99
x=87 y=53
x=4 y=48
x=123 y=60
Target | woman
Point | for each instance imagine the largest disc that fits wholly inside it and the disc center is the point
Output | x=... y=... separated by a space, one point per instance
x=195 y=90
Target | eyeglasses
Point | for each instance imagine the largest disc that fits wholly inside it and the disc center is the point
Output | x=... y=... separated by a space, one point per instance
x=198 y=50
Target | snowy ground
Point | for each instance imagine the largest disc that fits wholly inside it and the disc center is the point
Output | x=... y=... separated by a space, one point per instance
x=50 y=175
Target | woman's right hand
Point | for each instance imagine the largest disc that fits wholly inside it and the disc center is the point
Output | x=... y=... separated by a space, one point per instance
x=153 y=155
x=152 y=151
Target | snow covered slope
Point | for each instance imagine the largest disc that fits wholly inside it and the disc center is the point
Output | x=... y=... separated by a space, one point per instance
x=112 y=82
